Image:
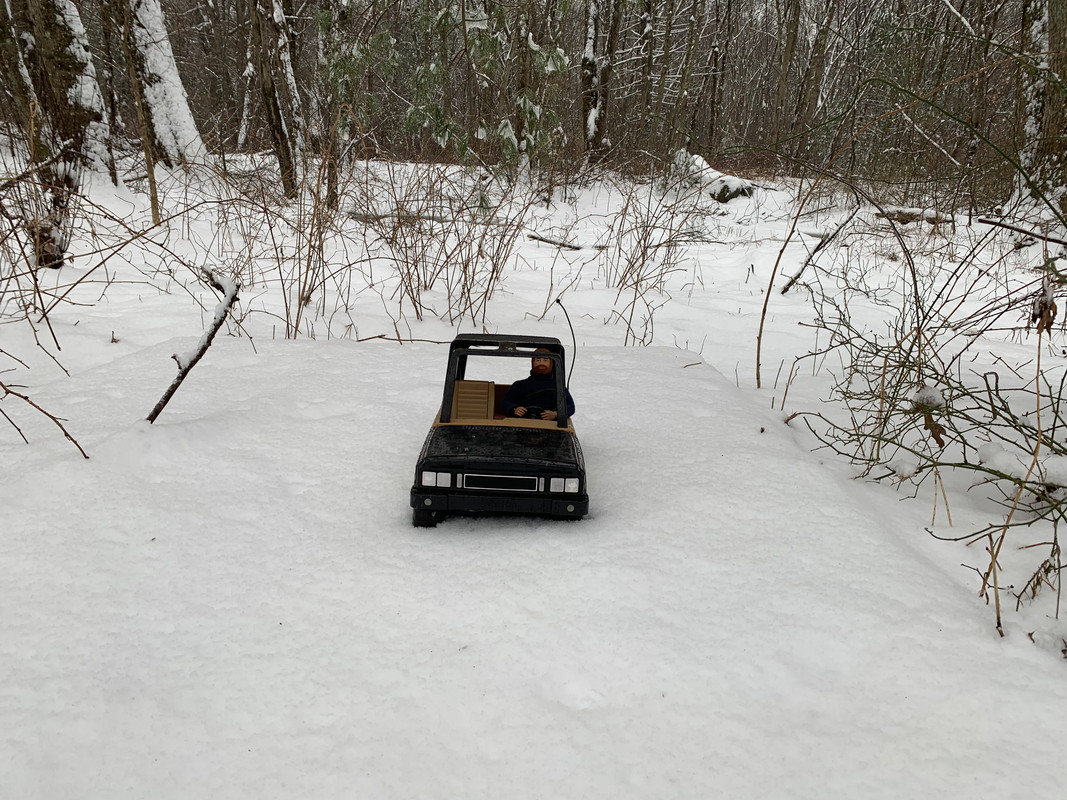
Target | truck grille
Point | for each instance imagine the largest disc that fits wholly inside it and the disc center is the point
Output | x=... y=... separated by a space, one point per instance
x=501 y=483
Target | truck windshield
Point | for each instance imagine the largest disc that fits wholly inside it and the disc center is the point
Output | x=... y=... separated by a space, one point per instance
x=499 y=370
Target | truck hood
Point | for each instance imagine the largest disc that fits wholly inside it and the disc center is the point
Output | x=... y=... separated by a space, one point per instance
x=502 y=444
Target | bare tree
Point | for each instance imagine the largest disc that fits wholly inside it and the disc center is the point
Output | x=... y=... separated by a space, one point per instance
x=276 y=81
x=789 y=31
x=811 y=88
x=715 y=72
x=598 y=64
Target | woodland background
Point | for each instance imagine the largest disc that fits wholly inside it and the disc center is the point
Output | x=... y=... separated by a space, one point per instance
x=944 y=102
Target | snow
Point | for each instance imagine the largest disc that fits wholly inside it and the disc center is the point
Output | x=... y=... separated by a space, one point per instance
x=232 y=602
x=476 y=20
x=692 y=170
x=928 y=397
x=591 y=121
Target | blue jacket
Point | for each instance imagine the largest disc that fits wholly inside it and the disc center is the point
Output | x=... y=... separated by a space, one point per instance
x=537 y=390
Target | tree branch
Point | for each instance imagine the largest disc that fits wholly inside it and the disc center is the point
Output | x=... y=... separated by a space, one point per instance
x=188 y=361
x=7 y=390
x=1022 y=231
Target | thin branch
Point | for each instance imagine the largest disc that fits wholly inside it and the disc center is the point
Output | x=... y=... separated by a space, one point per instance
x=1023 y=231
x=58 y=422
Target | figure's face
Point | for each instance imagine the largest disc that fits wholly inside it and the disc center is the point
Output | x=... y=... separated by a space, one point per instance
x=541 y=366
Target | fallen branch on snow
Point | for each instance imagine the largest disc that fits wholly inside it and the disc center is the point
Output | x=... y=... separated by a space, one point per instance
x=557 y=242
x=189 y=360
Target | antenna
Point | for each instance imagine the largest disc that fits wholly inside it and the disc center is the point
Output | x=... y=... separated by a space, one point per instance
x=574 y=341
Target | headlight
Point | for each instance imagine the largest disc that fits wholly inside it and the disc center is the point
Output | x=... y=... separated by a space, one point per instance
x=558 y=485
x=442 y=480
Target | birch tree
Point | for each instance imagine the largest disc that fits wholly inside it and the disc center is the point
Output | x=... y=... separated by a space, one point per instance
x=174 y=134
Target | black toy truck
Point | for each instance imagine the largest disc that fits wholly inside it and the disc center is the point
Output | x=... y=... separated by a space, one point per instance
x=477 y=460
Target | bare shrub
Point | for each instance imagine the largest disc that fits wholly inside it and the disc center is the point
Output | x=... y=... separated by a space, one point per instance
x=648 y=241
x=443 y=227
x=955 y=382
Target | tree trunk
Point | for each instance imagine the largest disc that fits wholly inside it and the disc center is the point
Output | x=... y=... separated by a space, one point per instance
x=718 y=58
x=111 y=29
x=277 y=87
x=646 y=55
x=681 y=132
x=1052 y=141
x=63 y=77
x=788 y=32
x=18 y=89
x=593 y=131
x=149 y=146
x=164 y=101
x=598 y=64
x=54 y=77
x=811 y=85
x=664 y=65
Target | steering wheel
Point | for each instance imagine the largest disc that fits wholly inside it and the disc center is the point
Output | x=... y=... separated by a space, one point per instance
x=532 y=412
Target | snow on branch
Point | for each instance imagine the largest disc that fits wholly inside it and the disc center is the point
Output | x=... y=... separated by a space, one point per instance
x=186 y=362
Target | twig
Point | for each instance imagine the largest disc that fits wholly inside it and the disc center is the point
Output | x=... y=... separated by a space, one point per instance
x=59 y=424
x=825 y=240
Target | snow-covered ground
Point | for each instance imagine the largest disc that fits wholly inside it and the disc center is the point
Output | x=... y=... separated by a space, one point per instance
x=232 y=602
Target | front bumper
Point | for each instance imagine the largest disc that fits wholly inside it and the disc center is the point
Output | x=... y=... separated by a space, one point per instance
x=444 y=500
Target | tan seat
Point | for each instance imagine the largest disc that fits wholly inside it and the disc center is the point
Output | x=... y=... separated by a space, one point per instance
x=473 y=400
